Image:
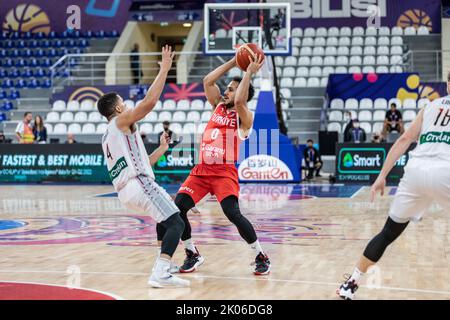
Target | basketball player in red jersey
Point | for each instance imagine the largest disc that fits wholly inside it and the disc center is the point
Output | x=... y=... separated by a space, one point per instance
x=216 y=173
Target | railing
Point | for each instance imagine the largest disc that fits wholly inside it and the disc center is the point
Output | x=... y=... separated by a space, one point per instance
x=109 y=68
x=411 y=64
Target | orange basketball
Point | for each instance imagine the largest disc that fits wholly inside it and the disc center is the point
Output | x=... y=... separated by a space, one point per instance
x=244 y=54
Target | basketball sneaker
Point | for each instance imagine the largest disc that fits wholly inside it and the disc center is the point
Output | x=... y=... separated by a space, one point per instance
x=167 y=280
x=173 y=267
x=347 y=290
x=192 y=262
x=262 y=264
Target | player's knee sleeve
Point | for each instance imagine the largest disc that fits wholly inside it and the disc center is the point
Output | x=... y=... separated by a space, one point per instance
x=174 y=226
x=230 y=207
x=376 y=247
x=184 y=202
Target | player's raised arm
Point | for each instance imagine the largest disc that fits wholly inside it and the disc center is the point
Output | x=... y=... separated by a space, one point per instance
x=126 y=119
x=212 y=90
x=398 y=149
x=240 y=100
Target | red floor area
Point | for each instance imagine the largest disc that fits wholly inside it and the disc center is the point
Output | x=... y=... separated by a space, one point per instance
x=29 y=291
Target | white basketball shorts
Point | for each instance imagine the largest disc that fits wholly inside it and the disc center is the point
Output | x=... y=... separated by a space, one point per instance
x=144 y=195
x=424 y=181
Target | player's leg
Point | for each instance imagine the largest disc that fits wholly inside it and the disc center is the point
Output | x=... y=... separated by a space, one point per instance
x=160 y=232
x=410 y=203
x=152 y=199
x=191 y=192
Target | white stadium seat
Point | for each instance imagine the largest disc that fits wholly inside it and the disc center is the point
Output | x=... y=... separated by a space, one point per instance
x=396 y=60
x=305 y=51
x=357 y=41
x=176 y=127
x=351 y=104
x=189 y=128
x=101 y=128
x=410 y=31
x=356 y=51
x=323 y=82
x=197 y=104
x=193 y=116
x=295 y=51
x=337 y=103
x=297 y=32
x=341 y=69
x=334 y=126
x=409 y=115
x=396 y=41
x=379 y=115
x=377 y=127
x=384 y=31
x=342 y=61
x=354 y=69
x=320 y=42
x=422 y=31
x=332 y=42
x=397 y=31
x=321 y=32
x=73 y=105
x=286 y=83
x=302 y=72
x=66 y=117
x=316 y=61
x=52 y=117
x=384 y=41
x=151 y=117
x=326 y=71
x=87 y=105
x=380 y=103
x=300 y=83
x=307 y=42
x=370 y=41
x=369 y=51
x=49 y=127
x=289 y=72
x=396 y=50
x=366 y=126
x=330 y=51
x=344 y=41
x=344 y=32
x=382 y=60
x=285 y=92
x=369 y=60
x=59 y=105
x=383 y=50
x=169 y=104
x=165 y=116
x=333 y=32
x=366 y=103
x=146 y=128
x=179 y=116
x=382 y=69
x=157 y=128
x=329 y=61
x=409 y=104
x=365 y=115
x=368 y=69
x=304 y=61
x=371 y=31
x=80 y=117
x=358 y=31
x=290 y=61
x=60 y=128
x=335 y=115
x=88 y=128
x=315 y=72
x=95 y=116
x=355 y=61
x=313 y=83
x=183 y=104
x=343 y=51
x=318 y=51
x=396 y=69
x=74 y=128
x=309 y=32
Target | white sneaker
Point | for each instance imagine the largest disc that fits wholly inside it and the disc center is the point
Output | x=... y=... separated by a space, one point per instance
x=347 y=290
x=173 y=267
x=167 y=280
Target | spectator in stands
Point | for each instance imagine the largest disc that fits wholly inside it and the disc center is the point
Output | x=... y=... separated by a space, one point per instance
x=2 y=137
x=357 y=134
x=348 y=126
x=24 y=130
x=39 y=130
x=70 y=139
x=172 y=135
x=393 y=121
x=135 y=64
x=313 y=160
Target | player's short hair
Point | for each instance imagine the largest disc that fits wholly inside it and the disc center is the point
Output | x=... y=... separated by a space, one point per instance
x=26 y=114
x=309 y=140
x=251 y=89
x=106 y=105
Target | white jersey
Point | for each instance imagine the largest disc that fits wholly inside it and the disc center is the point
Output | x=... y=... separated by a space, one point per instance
x=126 y=157
x=434 y=140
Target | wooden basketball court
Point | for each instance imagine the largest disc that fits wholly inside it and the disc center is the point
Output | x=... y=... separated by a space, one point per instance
x=79 y=236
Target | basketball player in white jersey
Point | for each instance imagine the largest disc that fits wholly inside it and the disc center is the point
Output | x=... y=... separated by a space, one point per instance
x=131 y=174
x=426 y=179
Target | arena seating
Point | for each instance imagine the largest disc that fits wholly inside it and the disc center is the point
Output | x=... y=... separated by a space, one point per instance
x=370 y=112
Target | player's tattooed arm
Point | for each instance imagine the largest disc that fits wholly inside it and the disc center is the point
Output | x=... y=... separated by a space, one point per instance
x=398 y=149
x=240 y=100
x=126 y=119
x=212 y=90
x=163 y=147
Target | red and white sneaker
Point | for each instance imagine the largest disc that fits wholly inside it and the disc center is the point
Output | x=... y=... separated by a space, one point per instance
x=262 y=265
x=192 y=262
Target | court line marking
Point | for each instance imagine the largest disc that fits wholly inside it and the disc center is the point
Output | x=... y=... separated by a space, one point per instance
x=357 y=192
x=112 y=295
x=323 y=283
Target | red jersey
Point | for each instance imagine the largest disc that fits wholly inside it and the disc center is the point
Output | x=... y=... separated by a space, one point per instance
x=219 y=148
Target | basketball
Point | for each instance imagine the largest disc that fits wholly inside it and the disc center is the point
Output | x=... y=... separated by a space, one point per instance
x=244 y=54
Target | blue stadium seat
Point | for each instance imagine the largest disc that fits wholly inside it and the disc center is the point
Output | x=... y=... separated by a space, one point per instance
x=8 y=62
x=88 y=34
x=21 y=44
x=13 y=73
x=26 y=73
x=33 y=83
x=52 y=52
x=39 y=35
x=46 y=83
x=2 y=116
x=33 y=43
x=46 y=43
x=46 y=62
x=3 y=53
x=7 y=105
x=21 y=83
x=7 y=83
x=3 y=73
x=83 y=43
x=112 y=34
x=26 y=53
x=57 y=43
x=63 y=52
x=39 y=53
x=100 y=34
x=20 y=63
x=32 y=62
x=27 y=35
x=52 y=35
x=2 y=94
x=14 y=94
x=40 y=73
x=70 y=43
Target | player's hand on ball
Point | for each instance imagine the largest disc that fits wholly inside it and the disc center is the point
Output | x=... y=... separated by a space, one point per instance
x=167 y=58
x=255 y=64
x=378 y=186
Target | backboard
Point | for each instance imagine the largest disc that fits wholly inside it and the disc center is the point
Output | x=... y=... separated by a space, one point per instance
x=228 y=25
